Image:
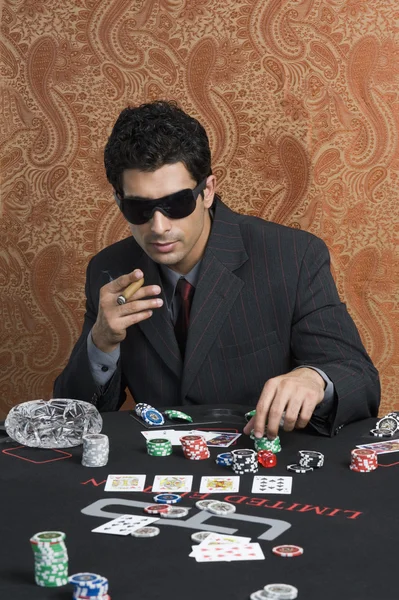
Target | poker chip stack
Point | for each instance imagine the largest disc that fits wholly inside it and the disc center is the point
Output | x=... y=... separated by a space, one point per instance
x=149 y=414
x=88 y=586
x=363 y=460
x=387 y=426
x=194 y=447
x=51 y=558
x=266 y=444
x=310 y=458
x=95 y=450
x=244 y=461
x=225 y=459
x=159 y=447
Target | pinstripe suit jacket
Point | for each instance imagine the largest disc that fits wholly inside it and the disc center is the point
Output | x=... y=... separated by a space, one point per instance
x=265 y=303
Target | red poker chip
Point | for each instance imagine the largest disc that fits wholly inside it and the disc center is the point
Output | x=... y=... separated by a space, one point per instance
x=287 y=551
x=157 y=509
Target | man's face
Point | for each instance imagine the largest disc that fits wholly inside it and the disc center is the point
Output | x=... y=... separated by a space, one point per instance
x=177 y=243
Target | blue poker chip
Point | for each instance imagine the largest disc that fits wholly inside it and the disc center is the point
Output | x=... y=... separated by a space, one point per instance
x=167 y=498
x=85 y=579
x=225 y=459
x=151 y=416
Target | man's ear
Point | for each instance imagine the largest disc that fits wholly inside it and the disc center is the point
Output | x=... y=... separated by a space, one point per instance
x=209 y=191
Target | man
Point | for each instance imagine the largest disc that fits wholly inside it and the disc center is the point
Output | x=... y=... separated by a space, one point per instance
x=266 y=326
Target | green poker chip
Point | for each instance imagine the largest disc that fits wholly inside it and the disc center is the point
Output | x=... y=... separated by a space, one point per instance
x=250 y=414
x=176 y=415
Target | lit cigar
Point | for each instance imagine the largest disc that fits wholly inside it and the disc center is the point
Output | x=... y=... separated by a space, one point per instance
x=129 y=291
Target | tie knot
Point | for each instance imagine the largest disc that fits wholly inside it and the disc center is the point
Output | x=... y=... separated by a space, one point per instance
x=184 y=288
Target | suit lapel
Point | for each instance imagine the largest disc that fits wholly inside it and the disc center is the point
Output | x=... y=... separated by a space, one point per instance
x=159 y=329
x=216 y=292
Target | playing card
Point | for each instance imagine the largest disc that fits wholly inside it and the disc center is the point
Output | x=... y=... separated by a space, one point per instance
x=172 y=483
x=125 y=483
x=216 y=539
x=266 y=484
x=222 y=440
x=228 y=552
x=219 y=485
x=382 y=447
x=124 y=525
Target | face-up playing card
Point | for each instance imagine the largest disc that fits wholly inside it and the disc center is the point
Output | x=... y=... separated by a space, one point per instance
x=228 y=552
x=382 y=447
x=266 y=484
x=172 y=483
x=124 y=525
x=125 y=483
x=219 y=485
x=222 y=440
x=216 y=539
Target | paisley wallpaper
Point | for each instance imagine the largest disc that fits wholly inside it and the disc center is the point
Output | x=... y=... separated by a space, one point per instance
x=300 y=99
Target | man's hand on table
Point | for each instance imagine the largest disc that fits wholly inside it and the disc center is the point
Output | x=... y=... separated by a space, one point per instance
x=297 y=393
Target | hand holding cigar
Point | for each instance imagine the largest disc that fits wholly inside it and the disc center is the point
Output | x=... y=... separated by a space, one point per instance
x=130 y=291
x=123 y=303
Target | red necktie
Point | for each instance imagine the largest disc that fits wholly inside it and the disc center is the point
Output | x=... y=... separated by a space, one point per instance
x=186 y=292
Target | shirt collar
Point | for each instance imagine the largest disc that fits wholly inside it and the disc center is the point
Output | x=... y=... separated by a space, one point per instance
x=170 y=279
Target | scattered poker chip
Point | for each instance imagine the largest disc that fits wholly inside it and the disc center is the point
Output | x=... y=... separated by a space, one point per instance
x=157 y=509
x=167 y=498
x=176 y=512
x=177 y=415
x=146 y=532
x=384 y=433
x=259 y=595
x=203 y=504
x=287 y=551
x=299 y=469
x=221 y=508
x=151 y=416
x=200 y=536
x=280 y=591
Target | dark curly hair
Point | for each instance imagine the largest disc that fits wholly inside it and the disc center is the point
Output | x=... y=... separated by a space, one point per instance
x=152 y=135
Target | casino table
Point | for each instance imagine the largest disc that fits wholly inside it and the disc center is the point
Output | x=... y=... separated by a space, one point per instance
x=346 y=522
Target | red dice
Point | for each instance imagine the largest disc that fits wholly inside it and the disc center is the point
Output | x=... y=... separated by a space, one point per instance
x=267 y=459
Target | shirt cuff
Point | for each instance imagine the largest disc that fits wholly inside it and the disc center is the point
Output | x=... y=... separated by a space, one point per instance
x=102 y=364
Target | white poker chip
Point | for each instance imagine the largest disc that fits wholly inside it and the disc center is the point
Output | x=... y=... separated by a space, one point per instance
x=175 y=512
x=146 y=532
x=221 y=508
x=200 y=536
x=259 y=595
x=280 y=591
x=203 y=504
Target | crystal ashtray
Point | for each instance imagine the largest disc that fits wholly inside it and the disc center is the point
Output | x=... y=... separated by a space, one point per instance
x=57 y=423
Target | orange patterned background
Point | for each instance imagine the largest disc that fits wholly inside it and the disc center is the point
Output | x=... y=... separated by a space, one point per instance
x=301 y=103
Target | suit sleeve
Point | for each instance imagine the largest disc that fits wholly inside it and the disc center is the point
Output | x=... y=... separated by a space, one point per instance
x=324 y=335
x=76 y=380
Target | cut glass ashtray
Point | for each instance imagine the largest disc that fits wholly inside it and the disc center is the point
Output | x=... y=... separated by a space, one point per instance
x=57 y=423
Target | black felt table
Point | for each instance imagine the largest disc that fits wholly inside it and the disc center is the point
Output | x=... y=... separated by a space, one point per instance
x=346 y=522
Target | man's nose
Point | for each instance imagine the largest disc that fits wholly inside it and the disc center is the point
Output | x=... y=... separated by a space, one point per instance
x=160 y=223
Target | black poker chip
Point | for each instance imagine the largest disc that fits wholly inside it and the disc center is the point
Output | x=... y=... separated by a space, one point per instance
x=299 y=469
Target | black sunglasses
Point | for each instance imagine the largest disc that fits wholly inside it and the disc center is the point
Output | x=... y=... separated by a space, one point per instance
x=138 y=210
